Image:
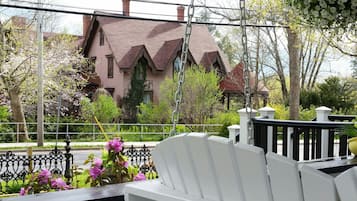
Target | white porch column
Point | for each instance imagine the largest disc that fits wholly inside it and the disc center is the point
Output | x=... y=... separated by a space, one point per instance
x=269 y=113
x=244 y=136
x=322 y=114
x=234 y=131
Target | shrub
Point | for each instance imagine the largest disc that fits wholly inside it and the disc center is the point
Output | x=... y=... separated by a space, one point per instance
x=226 y=119
x=103 y=108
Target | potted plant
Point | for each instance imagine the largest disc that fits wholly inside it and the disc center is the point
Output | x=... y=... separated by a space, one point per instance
x=351 y=130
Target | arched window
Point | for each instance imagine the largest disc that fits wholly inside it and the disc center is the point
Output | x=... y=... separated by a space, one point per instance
x=177 y=63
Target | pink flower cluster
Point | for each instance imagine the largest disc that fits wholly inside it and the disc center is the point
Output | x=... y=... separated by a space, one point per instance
x=116 y=145
x=96 y=170
x=59 y=184
x=44 y=176
x=44 y=181
x=140 y=177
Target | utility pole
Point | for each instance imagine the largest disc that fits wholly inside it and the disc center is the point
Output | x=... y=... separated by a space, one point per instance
x=40 y=126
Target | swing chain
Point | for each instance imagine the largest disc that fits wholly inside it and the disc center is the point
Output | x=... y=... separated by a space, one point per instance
x=247 y=90
x=181 y=73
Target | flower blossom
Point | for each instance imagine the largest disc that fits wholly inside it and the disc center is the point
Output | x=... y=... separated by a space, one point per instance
x=140 y=177
x=115 y=145
x=59 y=184
x=44 y=176
x=23 y=191
x=98 y=162
x=95 y=172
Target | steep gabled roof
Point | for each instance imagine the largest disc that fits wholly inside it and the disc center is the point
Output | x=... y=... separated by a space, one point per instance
x=123 y=34
x=167 y=53
x=210 y=58
x=133 y=55
x=234 y=82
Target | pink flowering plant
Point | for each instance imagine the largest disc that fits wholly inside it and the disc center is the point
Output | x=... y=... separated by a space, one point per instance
x=43 y=181
x=112 y=167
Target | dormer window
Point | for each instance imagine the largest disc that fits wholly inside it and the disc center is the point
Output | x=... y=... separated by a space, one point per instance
x=101 y=37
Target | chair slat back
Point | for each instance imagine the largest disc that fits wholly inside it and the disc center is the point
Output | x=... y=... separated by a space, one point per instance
x=202 y=161
x=227 y=170
x=284 y=178
x=161 y=167
x=317 y=185
x=253 y=172
x=346 y=184
x=185 y=162
x=170 y=157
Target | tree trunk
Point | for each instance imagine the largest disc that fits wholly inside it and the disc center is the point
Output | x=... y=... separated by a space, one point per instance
x=294 y=71
x=18 y=114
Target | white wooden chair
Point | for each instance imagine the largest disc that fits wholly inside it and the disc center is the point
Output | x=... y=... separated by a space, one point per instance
x=195 y=167
x=346 y=184
x=253 y=172
x=317 y=185
x=284 y=178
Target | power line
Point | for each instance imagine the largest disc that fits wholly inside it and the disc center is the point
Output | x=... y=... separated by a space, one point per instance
x=106 y=10
x=119 y=15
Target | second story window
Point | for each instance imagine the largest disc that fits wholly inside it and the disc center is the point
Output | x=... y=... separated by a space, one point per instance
x=110 y=61
x=101 y=37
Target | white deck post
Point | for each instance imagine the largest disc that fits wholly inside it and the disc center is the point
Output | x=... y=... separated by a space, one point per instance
x=234 y=131
x=322 y=114
x=269 y=113
x=244 y=136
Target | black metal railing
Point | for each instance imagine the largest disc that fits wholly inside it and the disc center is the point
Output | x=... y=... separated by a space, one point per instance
x=307 y=133
x=140 y=157
x=15 y=167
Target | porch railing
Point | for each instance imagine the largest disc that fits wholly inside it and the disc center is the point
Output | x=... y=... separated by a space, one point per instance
x=300 y=137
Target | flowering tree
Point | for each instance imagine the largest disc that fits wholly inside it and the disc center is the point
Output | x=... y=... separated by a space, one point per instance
x=43 y=181
x=62 y=63
x=113 y=167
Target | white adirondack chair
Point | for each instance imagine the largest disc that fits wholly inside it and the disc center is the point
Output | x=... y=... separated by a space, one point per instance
x=195 y=167
x=253 y=172
x=284 y=178
x=346 y=184
x=317 y=185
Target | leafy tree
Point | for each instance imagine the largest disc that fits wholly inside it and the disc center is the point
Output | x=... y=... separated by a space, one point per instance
x=327 y=14
x=201 y=94
x=154 y=113
x=103 y=108
x=135 y=94
x=310 y=98
x=18 y=69
x=337 y=94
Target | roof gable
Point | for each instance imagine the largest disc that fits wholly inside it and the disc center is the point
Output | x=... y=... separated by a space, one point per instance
x=210 y=58
x=131 y=58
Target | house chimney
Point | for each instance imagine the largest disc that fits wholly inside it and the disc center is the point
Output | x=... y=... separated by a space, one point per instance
x=181 y=13
x=86 y=23
x=126 y=7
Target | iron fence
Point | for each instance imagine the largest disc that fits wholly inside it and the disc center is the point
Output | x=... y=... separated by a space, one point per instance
x=9 y=131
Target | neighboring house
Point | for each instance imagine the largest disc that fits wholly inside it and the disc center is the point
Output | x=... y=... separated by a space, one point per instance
x=119 y=47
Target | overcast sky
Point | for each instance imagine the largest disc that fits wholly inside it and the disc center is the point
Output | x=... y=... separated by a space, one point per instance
x=73 y=23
